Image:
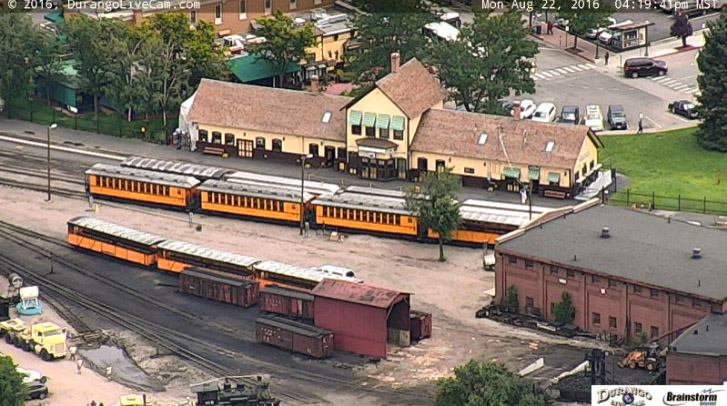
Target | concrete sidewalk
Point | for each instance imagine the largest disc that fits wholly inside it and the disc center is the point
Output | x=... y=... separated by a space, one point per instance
x=589 y=50
x=98 y=144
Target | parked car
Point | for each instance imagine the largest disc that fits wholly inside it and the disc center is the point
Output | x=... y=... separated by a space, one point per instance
x=683 y=108
x=562 y=23
x=570 y=115
x=608 y=36
x=644 y=66
x=36 y=390
x=545 y=113
x=527 y=108
x=594 y=32
x=594 y=117
x=616 y=117
x=30 y=375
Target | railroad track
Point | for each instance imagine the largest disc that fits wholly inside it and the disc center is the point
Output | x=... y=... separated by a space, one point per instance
x=184 y=340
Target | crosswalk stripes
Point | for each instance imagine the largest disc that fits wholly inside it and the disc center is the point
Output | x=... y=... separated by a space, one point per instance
x=676 y=85
x=562 y=71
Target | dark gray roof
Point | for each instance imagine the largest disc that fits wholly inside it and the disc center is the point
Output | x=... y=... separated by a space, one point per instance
x=705 y=342
x=201 y=273
x=283 y=291
x=642 y=248
x=293 y=326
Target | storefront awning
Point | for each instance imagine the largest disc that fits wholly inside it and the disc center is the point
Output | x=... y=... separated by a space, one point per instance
x=354 y=117
x=397 y=123
x=511 y=173
x=534 y=174
x=369 y=119
x=383 y=121
x=553 y=177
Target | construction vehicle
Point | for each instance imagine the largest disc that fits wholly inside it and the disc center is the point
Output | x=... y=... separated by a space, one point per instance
x=45 y=339
x=10 y=328
x=132 y=400
x=234 y=391
x=649 y=359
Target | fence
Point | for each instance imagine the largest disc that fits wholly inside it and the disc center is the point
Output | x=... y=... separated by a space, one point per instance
x=152 y=130
x=674 y=203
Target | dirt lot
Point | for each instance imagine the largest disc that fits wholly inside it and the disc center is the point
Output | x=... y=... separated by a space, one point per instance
x=452 y=291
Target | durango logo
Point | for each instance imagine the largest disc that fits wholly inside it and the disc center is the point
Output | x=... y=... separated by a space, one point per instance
x=624 y=396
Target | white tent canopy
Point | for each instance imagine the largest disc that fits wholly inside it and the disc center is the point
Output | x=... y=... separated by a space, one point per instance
x=184 y=125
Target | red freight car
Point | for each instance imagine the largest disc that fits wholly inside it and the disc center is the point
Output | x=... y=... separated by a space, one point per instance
x=421 y=325
x=219 y=286
x=286 y=301
x=294 y=336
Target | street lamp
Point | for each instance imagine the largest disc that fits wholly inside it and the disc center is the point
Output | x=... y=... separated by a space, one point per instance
x=302 y=178
x=50 y=127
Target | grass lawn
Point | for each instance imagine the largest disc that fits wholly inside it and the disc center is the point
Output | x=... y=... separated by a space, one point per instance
x=668 y=164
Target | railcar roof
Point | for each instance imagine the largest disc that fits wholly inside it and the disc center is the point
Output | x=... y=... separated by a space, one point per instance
x=257 y=178
x=308 y=273
x=208 y=253
x=365 y=202
x=255 y=190
x=142 y=175
x=290 y=325
x=180 y=168
x=116 y=230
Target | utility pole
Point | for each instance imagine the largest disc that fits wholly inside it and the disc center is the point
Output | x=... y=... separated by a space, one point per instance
x=302 y=189
x=50 y=127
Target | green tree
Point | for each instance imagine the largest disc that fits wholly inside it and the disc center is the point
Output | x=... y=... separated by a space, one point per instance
x=48 y=62
x=681 y=28
x=712 y=62
x=286 y=43
x=563 y=311
x=388 y=26
x=12 y=389
x=122 y=88
x=582 y=19
x=174 y=82
x=437 y=208
x=491 y=59
x=487 y=384
x=17 y=42
x=512 y=300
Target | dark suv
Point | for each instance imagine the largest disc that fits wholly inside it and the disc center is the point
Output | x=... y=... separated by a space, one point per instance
x=570 y=114
x=644 y=66
x=616 y=117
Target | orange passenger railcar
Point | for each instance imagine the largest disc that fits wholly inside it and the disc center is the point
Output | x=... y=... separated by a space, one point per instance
x=116 y=182
x=175 y=256
x=252 y=200
x=113 y=240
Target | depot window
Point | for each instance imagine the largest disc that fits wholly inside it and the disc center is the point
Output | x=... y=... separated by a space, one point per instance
x=398 y=135
x=356 y=129
x=203 y=135
x=216 y=137
x=229 y=139
x=277 y=145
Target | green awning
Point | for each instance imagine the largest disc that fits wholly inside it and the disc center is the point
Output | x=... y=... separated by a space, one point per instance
x=369 y=119
x=383 y=121
x=511 y=173
x=251 y=68
x=397 y=123
x=553 y=177
x=354 y=117
x=533 y=174
x=54 y=17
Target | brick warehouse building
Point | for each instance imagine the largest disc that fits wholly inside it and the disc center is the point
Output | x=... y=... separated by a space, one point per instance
x=699 y=355
x=639 y=275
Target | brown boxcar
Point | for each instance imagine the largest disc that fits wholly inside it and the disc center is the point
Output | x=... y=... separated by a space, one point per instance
x=219 y=286
x=286 y=301
x=294 y=336
x=421 y=325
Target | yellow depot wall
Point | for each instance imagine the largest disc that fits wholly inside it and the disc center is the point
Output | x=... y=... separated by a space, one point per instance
x=588 y=153
x=331 y=43
x=377 y=102
x=292 y=144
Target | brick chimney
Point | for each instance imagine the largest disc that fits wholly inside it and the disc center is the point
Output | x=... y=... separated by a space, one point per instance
x=516 y=109
x=314 y=84
x=395 y=62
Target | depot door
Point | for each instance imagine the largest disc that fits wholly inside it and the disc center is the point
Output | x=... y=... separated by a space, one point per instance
x=244 y=148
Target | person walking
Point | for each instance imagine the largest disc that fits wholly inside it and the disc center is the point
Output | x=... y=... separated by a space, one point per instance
x=79 y=366
x=550 y=28
x=605 y=57
x=641 y=124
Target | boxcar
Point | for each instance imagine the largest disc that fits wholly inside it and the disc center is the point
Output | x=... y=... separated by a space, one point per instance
x=116 y=182
x=113 y=240
x=174 y=256
x=252 y=200
x=294 y=336
x=286 y=301
x=219 y=286
x=421 y=325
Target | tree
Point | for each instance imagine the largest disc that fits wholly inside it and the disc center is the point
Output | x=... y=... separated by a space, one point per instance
x=285 y=43
x=563 y=311
x=437 y=208
x=205 y=59
x=174 y=83
x=681 y=28
x=18 y=40
x=487 y=384
x=12 y=389
x=490 y=60
x=388 y=26
x=582 y=19
x=512 y=300
x=48 y=62
x=122 y=88
x=712 y=62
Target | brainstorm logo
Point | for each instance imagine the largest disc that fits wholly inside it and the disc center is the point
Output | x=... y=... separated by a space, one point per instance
x=707 y=397
x=624 y=396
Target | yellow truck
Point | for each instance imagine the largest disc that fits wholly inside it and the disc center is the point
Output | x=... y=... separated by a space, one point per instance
x=132 y=400
x=45 y=339
x=10 y=328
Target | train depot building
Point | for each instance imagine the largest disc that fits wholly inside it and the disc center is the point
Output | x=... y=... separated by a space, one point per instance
x=395 y=129
x=629 y=273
